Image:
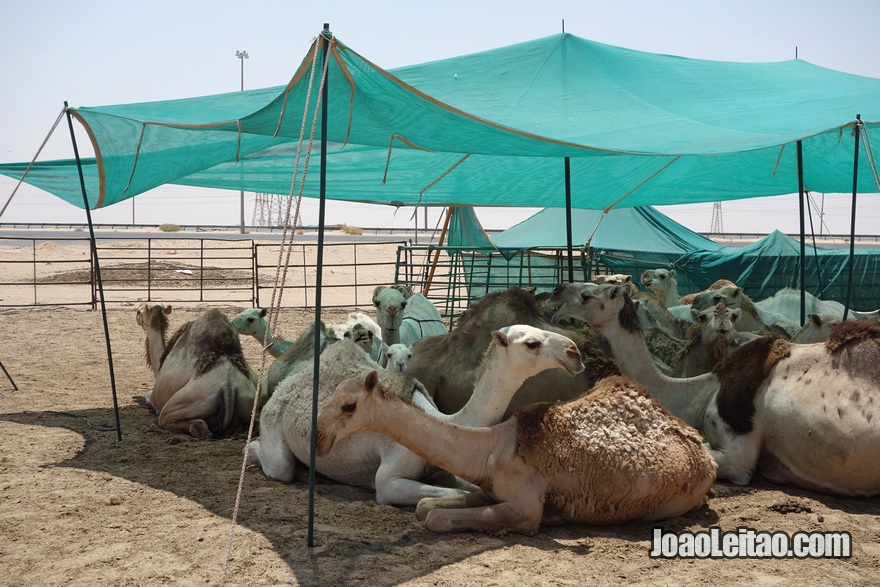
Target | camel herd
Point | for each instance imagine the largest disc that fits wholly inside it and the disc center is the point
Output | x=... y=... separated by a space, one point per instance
x=596 y=403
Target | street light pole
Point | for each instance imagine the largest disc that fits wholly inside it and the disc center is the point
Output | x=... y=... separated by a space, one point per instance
x=242 y=55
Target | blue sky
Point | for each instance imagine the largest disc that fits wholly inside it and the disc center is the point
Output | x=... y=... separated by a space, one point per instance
x=100 y=52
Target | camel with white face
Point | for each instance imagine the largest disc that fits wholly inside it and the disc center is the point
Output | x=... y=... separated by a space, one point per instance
x=396 y=356
x=752 y=319
x=610 y=456
x=808 y=415
x=662 y=283
x=398 y=476
x=204 y=386
x=404 y=316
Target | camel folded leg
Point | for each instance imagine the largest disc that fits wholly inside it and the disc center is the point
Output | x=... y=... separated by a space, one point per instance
x=467 y=500
x=394 y=489
x=498 y=519
x=737 y=457
x=272 y=453
x=189 y=408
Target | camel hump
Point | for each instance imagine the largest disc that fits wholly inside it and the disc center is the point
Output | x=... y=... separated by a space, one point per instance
x=849 y=331
x=741 y=374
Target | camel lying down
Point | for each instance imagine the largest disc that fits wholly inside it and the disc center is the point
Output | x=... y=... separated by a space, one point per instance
x=610 y=456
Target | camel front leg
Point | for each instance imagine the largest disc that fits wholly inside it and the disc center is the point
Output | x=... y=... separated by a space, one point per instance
x=468 y=500
x=392 y=488
x=498 y=519
x=272 y=453
x=186 y=412
x=737 y=456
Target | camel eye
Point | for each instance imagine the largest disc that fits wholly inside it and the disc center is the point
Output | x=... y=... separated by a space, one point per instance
x=349 y=408
x=533 y=344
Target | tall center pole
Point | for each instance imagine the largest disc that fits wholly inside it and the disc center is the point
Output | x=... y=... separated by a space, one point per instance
x=242 y=55
x=322 y=192
x=568 y=220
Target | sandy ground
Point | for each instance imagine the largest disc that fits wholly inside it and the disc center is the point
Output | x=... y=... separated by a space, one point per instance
x=79 y=507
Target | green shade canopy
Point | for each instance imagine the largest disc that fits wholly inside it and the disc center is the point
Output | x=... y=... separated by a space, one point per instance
x=492 y=129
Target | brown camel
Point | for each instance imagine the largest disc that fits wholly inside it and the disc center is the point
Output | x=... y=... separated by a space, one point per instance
x=610 y=456
x=447 y=365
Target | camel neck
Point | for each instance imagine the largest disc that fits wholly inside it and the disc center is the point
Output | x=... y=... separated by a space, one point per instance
x=155 y=348
x=461 y=450
x=497 y=383
x=687 y=398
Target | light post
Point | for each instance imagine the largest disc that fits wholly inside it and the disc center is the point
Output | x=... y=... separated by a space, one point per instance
x=242 y=55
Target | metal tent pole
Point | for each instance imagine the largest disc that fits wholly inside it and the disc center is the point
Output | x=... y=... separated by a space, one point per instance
x=82 y=184
x=318 y=283
x=568 y=218
x=852 y=228
x=803 y=260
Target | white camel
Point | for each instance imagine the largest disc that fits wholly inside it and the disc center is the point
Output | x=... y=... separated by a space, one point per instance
x=371 y=460
x=610 y=456
x=404 y=316
x=817 y=329
x=396 y=356
x=808 y=415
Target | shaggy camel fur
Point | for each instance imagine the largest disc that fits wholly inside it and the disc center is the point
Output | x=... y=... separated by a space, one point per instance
x=153 y=318
x=808 y=414
x=610 y=456
x=398 y=476
x=204 y=386
x=447 y=365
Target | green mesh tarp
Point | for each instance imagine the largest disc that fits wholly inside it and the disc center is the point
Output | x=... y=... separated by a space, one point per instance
x=492 y=129
x=627 y=240
x=766 y=266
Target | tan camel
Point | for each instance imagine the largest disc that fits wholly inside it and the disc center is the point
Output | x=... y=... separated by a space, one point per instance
x=153 y=318
x=610 y=456
x=399 y=476
x=751 y=319
x=710 y=339
x=808 y=414
x=817 y=329
x=662 y=283
x=688 y=299
x=204 y=386
x=617 y=279
x=447 y=365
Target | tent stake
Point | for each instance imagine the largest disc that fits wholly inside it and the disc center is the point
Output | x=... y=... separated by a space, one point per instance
x=852 y=227
x=310 y=542
x=82 y=183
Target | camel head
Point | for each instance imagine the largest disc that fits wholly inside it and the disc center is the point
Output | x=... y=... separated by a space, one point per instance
x=565 y=292
x=390 y=303
x=361 y=336
x=348 y=410
x=251 y=321
x=658 y=280
x=602 y=307
x=153 y=317
x=397 y=356
x=531 y=350
x=817 y=328
x=731 y=295
x=718 y=323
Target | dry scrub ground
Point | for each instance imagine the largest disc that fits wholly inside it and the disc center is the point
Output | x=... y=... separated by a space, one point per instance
x=79 y=507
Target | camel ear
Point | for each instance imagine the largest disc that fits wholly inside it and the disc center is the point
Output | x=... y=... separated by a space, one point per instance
x=672 y=273
x=695 y=315
x=376 y=291
x=168 y=309
x=615 y=292
x=500 y=336
x=371 y=381
x=385 y=347
x=816 y=319
x=735 y=314
x=736 y=292
x=263 y=312
x=628 y=279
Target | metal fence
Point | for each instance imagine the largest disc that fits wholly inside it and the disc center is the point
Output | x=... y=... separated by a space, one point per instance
x=46 y=272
